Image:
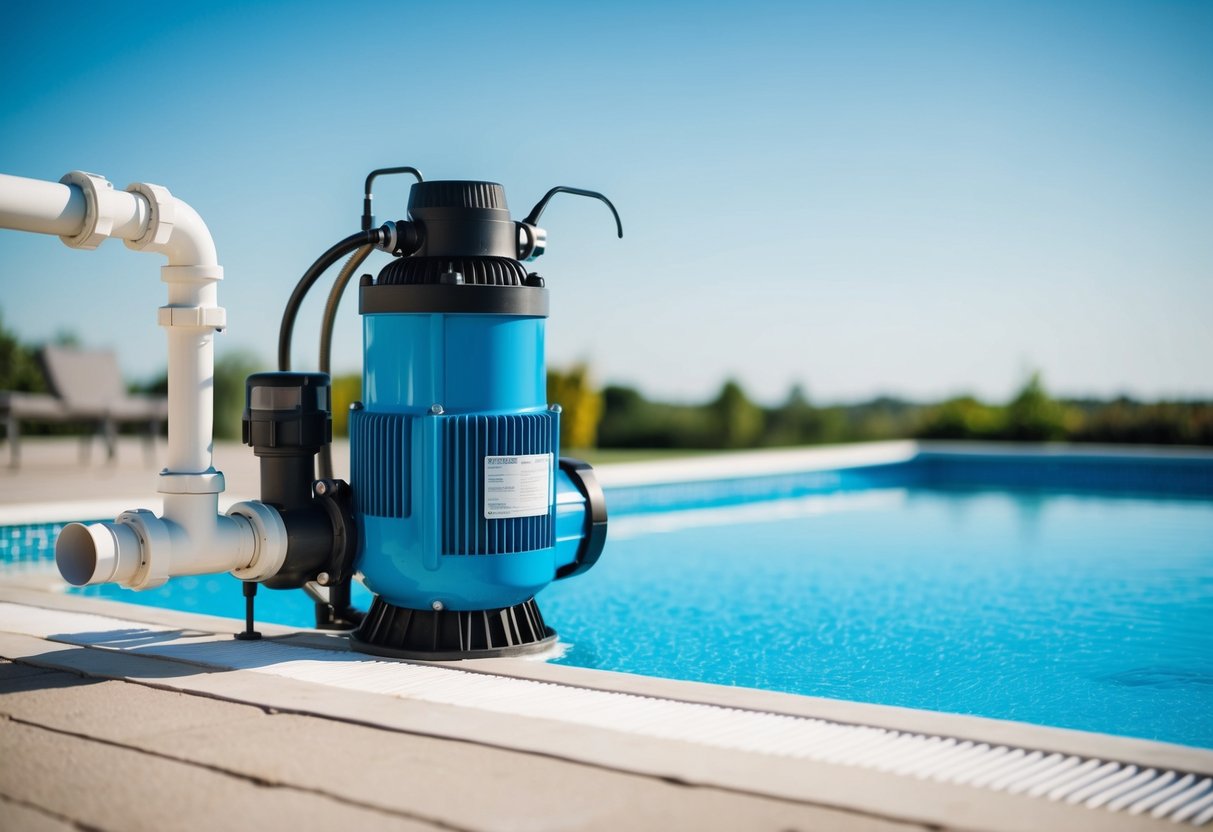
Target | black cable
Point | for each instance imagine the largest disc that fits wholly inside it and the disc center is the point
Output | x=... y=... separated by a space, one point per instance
x=325 y=613
x=325 y=457
x=335 y=253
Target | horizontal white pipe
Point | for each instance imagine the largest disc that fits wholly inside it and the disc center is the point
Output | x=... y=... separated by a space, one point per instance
x=97 y=553
x=102 y=553
x=55 y=208
x=142 y=551
x=41 y=207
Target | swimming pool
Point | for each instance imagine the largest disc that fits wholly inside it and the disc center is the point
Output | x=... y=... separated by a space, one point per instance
x=1073 y=590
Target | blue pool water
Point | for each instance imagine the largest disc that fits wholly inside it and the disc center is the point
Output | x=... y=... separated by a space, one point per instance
x=1077 y=610
x=1070 y=593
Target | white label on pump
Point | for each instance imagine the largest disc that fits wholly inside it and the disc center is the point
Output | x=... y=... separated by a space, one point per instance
x=517 y=486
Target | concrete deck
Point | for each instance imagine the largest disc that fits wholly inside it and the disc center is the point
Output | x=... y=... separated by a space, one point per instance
x=124 y=717
x=52 y=471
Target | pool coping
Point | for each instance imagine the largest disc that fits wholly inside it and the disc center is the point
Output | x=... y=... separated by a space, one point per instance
x=963 y=726
x=865 y=792
x=879 y=794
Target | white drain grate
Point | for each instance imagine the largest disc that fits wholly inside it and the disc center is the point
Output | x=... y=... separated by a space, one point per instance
x=1098 y=784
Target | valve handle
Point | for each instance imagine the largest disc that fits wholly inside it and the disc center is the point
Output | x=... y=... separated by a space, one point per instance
x=533 y=217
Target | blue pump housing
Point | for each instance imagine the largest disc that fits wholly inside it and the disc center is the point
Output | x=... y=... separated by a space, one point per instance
x=461 y=501
x=441 y=394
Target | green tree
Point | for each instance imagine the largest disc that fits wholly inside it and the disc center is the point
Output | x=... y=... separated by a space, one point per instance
x=629 y=420
x=346 y=390
x=884 y=417
x=1033 y=416
x=19 y=368
x=581 y=405
x=736 y=421
x=795 y=422
x=961 y=418
x=231 y=370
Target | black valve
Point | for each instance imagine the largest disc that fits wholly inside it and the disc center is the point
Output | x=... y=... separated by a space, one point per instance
x=287 y=420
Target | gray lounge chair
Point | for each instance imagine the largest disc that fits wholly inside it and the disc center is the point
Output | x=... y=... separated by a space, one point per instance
x=87 y=387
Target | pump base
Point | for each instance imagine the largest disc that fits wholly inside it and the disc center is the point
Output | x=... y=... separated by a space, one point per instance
x=448 y=635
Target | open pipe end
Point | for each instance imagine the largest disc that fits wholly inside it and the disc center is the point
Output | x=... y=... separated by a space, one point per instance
x=97 y=553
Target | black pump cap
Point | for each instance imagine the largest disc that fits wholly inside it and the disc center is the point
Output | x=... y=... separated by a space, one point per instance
x=461 y=218
x=457 y=193
x=287 y=413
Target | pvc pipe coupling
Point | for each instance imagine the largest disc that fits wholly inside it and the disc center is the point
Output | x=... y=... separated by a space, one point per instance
x=142 y=551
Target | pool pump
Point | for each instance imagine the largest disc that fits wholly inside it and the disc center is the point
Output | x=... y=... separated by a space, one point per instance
x=459 y=508
x=462 y=507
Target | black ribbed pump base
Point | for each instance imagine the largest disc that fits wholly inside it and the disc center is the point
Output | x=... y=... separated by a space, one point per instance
x=447 y=635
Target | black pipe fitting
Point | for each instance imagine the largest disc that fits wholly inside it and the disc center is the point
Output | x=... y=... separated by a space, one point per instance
x=286 y=421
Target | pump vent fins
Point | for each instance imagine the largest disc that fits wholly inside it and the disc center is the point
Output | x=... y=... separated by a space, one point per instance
x=379 y=451
x=443 y=635
x=467 y=440
x=475 y=271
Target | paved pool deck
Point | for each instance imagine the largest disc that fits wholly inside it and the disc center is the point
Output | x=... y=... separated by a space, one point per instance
x=124 y=717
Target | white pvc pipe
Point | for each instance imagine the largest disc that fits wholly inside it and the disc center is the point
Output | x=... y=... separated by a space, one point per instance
x=41 y=207
x=191 y=243
x=142 y=550
x=55 y=208
x=192 y=275
x=191 y=374
x=205 y=541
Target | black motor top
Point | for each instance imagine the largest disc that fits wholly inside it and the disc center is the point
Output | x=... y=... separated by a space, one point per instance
x=463 y=219
x=466 y=237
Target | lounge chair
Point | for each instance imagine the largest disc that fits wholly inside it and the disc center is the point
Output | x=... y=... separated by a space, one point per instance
x=87 y=387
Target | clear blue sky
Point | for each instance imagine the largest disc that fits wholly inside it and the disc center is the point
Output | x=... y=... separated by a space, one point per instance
x=912 y=198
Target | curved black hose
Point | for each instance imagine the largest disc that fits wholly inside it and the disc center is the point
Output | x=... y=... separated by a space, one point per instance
x=325 y=460
x=337 y=612
x=335 y=253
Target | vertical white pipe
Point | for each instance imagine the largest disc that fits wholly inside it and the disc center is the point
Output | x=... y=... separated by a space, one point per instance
x=191 y=372
x=191 y=347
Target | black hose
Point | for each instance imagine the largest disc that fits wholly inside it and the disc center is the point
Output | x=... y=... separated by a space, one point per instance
x=337 y=613
x=335 y=253
x=325 y=460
